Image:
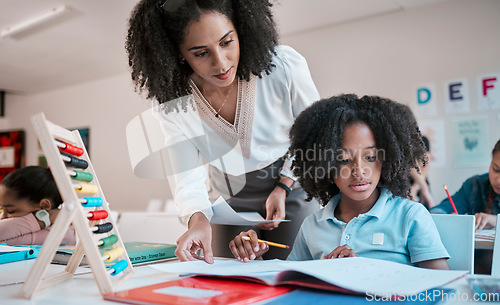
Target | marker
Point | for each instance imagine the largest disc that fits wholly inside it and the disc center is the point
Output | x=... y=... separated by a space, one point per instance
x=451 y=200
x=270 y=243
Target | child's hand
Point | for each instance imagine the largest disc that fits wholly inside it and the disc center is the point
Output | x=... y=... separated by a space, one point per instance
x=341 y=251
x=53 y=215
x=247 y=250
x=485 y=221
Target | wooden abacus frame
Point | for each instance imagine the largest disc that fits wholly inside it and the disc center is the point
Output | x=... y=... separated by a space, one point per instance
x=72 y=212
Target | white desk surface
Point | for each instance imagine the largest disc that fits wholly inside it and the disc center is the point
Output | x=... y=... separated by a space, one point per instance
x=83 y=289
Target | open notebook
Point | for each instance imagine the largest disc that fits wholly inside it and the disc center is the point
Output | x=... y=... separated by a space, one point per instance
x=355 y=275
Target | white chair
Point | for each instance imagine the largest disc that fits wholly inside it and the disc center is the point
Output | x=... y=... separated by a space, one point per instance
x=457 y=234
x=495 y=263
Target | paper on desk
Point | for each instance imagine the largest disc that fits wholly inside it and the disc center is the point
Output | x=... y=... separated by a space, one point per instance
x=225 y=215
x=488 y=234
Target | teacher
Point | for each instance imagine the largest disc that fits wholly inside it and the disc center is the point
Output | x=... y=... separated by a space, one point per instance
x=226 y=96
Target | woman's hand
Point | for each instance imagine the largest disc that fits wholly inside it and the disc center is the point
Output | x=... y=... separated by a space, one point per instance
x=198 y=236
x=275 y=209
x=247 y=250
x=340 y=252
x=485 y=221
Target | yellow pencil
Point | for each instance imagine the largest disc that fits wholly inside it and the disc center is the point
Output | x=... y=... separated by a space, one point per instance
x=270 y=243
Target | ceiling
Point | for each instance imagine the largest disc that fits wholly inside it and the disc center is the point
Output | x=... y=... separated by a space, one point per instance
x=87 y=42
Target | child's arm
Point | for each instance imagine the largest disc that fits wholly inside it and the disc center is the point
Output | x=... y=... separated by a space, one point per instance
x=439 y=263
x=246 y=250
x=24 y=230
x=340 y=252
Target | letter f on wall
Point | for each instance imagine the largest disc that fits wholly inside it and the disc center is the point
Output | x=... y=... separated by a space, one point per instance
x=487 y=84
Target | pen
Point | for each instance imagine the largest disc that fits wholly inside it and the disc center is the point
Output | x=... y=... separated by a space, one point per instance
x=270 y=243
x=451 y=200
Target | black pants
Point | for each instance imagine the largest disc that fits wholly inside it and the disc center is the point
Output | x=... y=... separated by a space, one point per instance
x=248 y=193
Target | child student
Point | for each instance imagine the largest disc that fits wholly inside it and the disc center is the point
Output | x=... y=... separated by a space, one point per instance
x=479 y=195
x=355 y=155
x=30 y=200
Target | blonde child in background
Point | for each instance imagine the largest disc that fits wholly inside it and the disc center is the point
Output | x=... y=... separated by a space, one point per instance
x=30 y=201
x=355 y=155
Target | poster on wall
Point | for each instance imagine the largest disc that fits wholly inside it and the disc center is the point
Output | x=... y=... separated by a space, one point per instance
x=456 y=96
x=471 y=142
x=11 y=152
x=434 y=131
x=488 y=91
x=426 y=100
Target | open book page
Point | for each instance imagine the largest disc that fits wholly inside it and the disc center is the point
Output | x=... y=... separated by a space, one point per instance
x=488 y=234
x=358 y=274
x=225 y=215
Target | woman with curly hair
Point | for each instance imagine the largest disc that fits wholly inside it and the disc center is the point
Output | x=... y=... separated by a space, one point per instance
x=355 y=155
x=227 y=96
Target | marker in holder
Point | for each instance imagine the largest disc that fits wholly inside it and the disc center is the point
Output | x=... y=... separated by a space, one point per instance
x=118 y=267
x=91 y=202
x=104 y=228
x=80 y=176
x=74 y=162
x=107 y=241
x=113 y=254
x=69 y=149
x=97 y=215
x=86 y=188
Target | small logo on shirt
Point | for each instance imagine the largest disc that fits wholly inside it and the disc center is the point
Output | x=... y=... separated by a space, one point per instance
x=378 y=239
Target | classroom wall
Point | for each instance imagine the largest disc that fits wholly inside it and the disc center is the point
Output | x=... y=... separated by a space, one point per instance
x=104 y=106
x=392 y=54
x=387 y=55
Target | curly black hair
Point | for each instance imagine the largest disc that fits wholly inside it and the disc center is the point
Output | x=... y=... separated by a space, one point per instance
x=33 y=183
x=317 y=135
x=157 y=28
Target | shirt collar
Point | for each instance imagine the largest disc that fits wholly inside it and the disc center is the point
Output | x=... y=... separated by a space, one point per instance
x=376 y=210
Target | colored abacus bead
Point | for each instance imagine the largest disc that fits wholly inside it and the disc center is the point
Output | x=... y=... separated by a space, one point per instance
x=118 y=267
x=108 y=241
x=92 y=202
x=113 y=254
x=82 y=176
x=86 y=188
x=71 y=149
x=97 y=215
x=74 y=162
x=104 y=228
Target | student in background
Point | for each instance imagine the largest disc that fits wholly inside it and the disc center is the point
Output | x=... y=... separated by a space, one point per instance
x=30 y=201
x=222 y=82
x=355 y=155
x=420 y=180
x=479 y=195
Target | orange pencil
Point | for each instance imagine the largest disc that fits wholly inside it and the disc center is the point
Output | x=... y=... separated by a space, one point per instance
x=451 y=200
x=270 y=243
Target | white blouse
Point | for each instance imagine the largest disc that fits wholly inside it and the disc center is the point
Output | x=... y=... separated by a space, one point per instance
x=265 y=111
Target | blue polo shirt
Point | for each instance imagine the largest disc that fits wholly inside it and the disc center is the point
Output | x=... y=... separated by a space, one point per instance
x=394 y=229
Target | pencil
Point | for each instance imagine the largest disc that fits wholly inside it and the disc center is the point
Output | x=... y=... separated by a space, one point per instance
x=270 y=243
x=451 y=200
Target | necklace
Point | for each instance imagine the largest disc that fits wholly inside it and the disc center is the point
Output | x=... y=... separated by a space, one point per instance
x=223 y=103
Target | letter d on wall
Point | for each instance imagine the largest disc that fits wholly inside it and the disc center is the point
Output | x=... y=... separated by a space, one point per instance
x=425 y=100
x=424 y=95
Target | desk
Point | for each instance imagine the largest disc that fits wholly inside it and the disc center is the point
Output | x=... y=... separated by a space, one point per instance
x=82 y=290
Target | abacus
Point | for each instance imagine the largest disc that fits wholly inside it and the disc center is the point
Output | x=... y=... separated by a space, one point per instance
x=85 y=207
